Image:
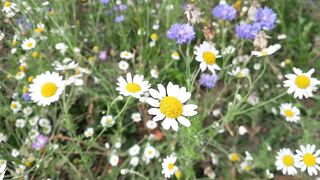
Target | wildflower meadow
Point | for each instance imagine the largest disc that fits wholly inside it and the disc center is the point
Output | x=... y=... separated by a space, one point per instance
x=160 y=89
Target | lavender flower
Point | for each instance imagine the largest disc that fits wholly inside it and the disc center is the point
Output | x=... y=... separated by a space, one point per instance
x=105 y=2
x=103 y=55
x=182 y=33
x=266 y=17
x=26 y=97
x=247 y=31
x=40 y=142
x=119 y=19
x=208 y=80
x=224 y=11
x=120 y=7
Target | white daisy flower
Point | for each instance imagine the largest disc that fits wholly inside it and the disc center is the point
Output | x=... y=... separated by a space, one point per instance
x=207 y=55
x=40 y=28
x=9 y=7
x=3 y=167
x=66 y=65
x=20 y=75
x=107 y=121
x=135 y=86
x=136 y=117
x=61 y=47
x=168 y=167
x=28 y=44
x=239 y=72
x=114 y=160
x=301 y=84
x=286 y=161
x=126 y=55
x=46 y=88
x=290 y=112
x=267 y=51
x=150 y=152
x=175 y=55
x=309 y=159
x=20 y=123
x=15 y=106
x=3 y=138
x=134 y=150
x=170 y=105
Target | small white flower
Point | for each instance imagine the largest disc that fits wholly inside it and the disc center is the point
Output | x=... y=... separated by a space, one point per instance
x=168 y=167
x=154 y=73
x=134 y=161
x=15 y=153
x=286 y=161
x=3 y=138
x=107 y=121
x=136 y=117
x=207 y=55
x=309 y=159
x=114 y=160
x=28 y=44
x=239 y=72
x=20 y=123
x=27 y=111
x=126 y=55
x=290 y=112
x=175 y=55
x=150 y=152
x=61 y=47
x=88 y=132
x=214 y=159
x=134 y=150
x=151 y=124
x=242 y=130
x=117 y=145
x=123 y=65
x=107 y=145
x=15 y=106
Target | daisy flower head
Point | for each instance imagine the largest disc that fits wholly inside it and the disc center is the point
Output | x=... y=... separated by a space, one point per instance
x=309 y=159
x=301 y=84
x=46 y=88
x=28 y=44
x=126 y=55
x=9 y=7
x=290 y=112
x=150 y=152
x=168 y=167
x=207 y=55
x=286 y=162
x=239 y=72
x=182 y=33
x=169 y=104
x=267 y=51
x=132 y=86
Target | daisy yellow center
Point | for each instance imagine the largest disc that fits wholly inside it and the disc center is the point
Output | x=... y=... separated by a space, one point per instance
x=209 y=57
x=302 y=81
x=29 y=44
x=133 y=87
x=13 y=105
x=39 y=30
x=247 y=168
x=288 y=113
x=309 y=159
x=171 y=107
x=7 y=4
x=175 y=54
x=234 y=157
x=288 y=160
x=150 y=152
x=170 y=166
x=264 y=52
x=49 y=89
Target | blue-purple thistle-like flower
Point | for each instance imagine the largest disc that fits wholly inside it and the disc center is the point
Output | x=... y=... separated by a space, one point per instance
x=40 y=142
x=26 y=96
x=105 y=2
x=119 y=19
x=266 y=17
x=182 y=33
x=247 y=31
x=224 y=11
x=208 y=80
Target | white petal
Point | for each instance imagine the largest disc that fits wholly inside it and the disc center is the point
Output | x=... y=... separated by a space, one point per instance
x=184 y=121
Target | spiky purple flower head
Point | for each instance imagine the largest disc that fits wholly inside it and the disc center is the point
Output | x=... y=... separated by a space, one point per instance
x=224 y=11
x=182 y=33
x=266 y=17
x=208 y=80
x=247 y=31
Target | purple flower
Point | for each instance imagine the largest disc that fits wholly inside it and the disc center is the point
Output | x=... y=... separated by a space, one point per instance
x=119 y=19
x=182 y=33
x=103 y=55
x=120 y=7
x=105 y=2
x=208 y=80
x=40 y=142
x=26 y=97
x=247 y=31
x=266 y=17
x=224 y=11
